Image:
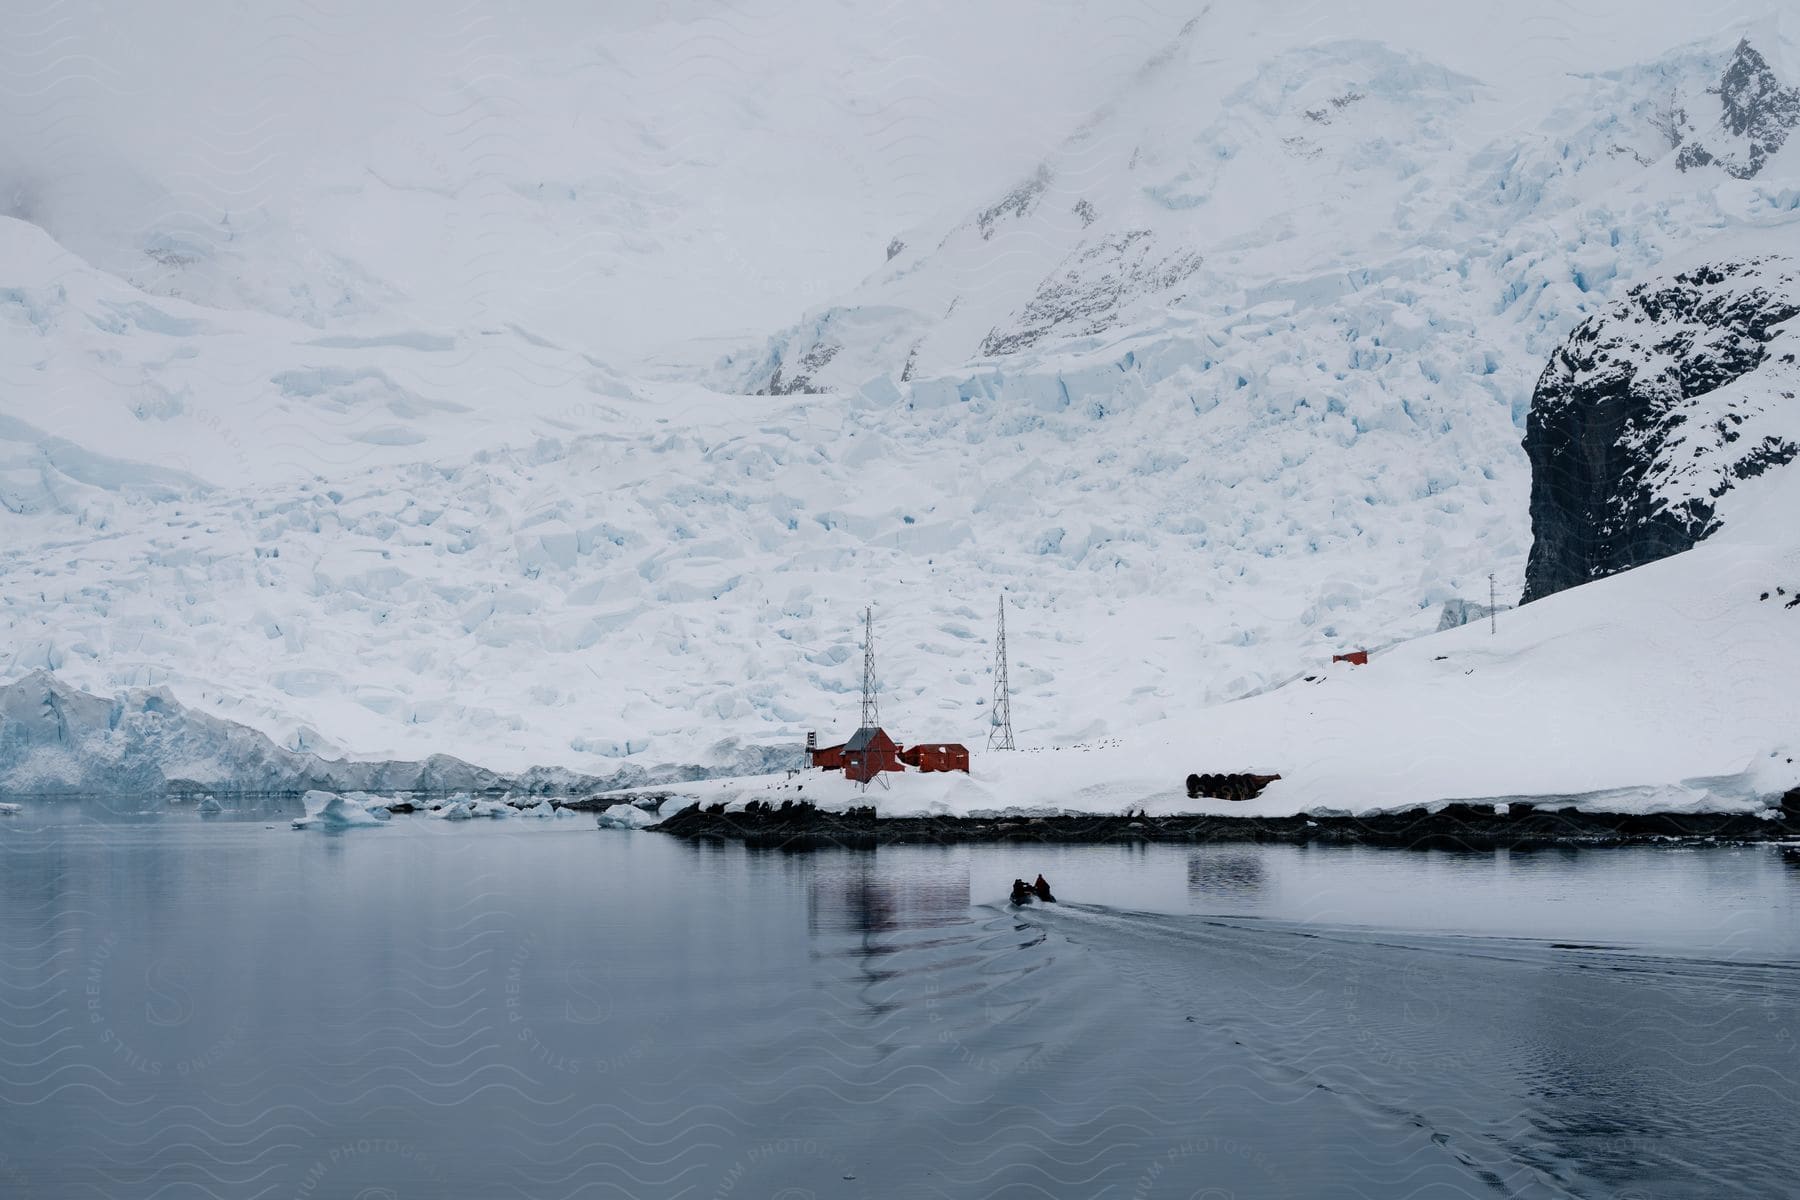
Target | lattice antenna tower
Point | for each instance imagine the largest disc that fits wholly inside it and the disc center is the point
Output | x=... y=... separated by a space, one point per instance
x=871 y=712
x=1493 y=611
x=1000 y=733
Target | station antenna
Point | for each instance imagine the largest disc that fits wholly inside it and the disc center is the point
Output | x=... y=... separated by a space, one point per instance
x=1000 y=731
x=871 y=711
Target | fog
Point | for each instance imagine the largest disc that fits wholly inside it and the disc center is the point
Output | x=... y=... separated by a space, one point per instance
x=554 y=165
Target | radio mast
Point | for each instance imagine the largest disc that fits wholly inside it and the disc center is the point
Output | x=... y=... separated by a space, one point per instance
x=1000 y=732
x=871 y=712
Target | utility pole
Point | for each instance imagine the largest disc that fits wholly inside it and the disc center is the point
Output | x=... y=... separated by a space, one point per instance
x=1000 y=733
x=1493 y=626
x=871 y=712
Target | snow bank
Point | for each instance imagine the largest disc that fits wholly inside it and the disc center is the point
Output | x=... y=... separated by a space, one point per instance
x=1661 y=690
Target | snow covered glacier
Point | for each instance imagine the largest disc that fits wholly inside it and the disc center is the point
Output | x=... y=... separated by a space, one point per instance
x=1229 y=374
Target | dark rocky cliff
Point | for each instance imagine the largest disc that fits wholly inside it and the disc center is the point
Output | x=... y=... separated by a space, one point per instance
x=1653 y=410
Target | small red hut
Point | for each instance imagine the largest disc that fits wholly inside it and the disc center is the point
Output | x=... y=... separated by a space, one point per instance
x=1356 y=658
x=829 y=758
x=937 y=756
x=868 y=753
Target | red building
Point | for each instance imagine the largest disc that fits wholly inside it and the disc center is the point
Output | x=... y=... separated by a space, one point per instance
x=1356 y=658
x=830 y=758
x=937 y=756
x=868 y=753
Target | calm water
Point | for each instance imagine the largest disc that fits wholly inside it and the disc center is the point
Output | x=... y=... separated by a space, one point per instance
x=226 y=1007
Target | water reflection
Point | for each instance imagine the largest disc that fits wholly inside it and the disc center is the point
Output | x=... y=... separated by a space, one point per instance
x=856 y=891
x=1233 y=873
x=880 y=917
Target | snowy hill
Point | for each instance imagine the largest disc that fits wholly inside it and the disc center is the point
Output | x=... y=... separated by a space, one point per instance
x=1663 y=689
x=1219 y=362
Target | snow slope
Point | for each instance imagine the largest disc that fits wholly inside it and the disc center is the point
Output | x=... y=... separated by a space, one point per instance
x=1217 y=365
x=1664 y=689
x=1496 y=176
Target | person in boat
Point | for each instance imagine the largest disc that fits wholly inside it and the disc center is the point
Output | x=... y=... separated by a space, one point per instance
x=1041 y=889
x=1021 y=892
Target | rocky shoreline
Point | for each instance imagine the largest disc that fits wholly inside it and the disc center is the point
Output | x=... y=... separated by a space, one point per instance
x=1456 y=826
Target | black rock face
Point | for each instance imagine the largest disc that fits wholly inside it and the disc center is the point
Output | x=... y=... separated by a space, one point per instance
x=1652 y=411
x=1756 y=115
x=1015 y=204
x=801 y=381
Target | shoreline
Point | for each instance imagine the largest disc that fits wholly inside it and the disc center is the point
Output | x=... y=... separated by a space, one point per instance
x=1455 y=826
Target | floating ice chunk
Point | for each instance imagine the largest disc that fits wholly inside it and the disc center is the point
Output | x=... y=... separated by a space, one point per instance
x=7 y=810
x=625 y=816
x=327 y=810
x=210 y=804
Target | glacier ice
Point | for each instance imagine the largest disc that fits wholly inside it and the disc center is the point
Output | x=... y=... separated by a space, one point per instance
x=298 y=505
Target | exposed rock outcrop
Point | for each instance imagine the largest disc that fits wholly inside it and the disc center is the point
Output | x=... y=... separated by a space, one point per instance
x=1016 y=203
x=1756 y=115
x=801 y=380
x=1088 y=289
x=1652 y=411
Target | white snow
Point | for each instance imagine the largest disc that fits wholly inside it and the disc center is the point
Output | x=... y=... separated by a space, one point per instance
x=408 y=419
x=1665 y=689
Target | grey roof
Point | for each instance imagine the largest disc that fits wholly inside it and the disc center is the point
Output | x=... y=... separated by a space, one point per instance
x=861 y=738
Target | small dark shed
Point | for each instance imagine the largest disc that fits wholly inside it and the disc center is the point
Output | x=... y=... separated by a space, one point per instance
x=870 y=752
x=937 y=756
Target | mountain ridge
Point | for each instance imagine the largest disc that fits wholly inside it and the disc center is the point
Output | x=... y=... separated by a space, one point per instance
x=480 y=532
